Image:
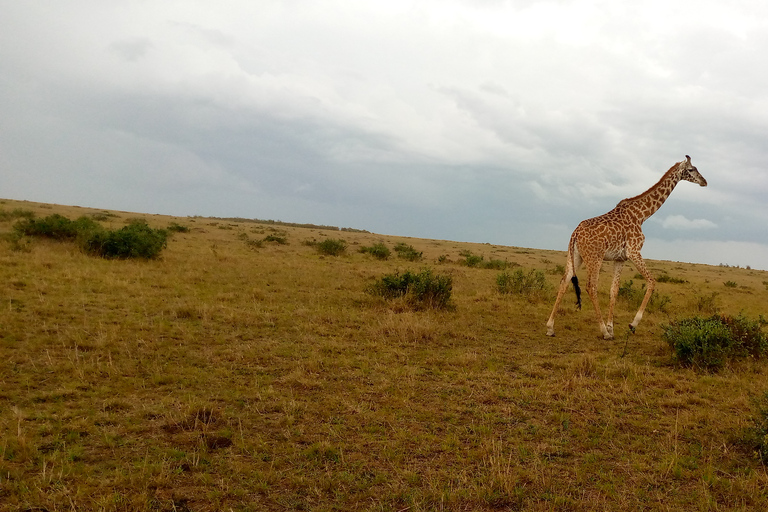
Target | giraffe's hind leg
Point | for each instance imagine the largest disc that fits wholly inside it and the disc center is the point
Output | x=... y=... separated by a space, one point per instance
x=569 y=273
x=593 y=268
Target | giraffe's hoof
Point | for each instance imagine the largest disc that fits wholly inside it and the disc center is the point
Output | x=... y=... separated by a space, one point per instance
x=551 y=334
x=608 y=336
x=632 y=328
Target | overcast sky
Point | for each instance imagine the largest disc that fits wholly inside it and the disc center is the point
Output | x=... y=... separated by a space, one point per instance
x=506 y=122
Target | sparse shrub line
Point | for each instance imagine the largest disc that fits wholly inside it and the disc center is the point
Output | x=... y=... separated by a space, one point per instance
x=136 y=240
x=475 y=261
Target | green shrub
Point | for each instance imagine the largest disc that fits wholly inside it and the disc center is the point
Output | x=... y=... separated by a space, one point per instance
x=471 y=260
x=730 y=284
x=422 y=290
x=708 y=343
x=331 y=247
x=136 y=240
x=378 y=251
x=532 y=284
x=407 y=252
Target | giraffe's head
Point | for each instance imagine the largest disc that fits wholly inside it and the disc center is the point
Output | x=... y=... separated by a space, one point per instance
x=690 y=173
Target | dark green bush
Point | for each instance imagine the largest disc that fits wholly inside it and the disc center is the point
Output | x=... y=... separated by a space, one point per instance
x=422 y=290
x=532 y=284
x=378 y=251
x=331 y=247
x=708 y=343
x=407 y=252
x=136 y=240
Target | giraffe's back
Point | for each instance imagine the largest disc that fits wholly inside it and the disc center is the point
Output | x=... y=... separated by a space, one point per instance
x=607 y=236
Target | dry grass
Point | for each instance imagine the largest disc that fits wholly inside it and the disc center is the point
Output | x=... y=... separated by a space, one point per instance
x=231 y=376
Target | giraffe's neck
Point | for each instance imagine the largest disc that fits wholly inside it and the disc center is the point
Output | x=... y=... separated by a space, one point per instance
x=647 y=203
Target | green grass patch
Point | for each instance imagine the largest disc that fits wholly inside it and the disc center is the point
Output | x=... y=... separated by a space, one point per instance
x=532 y=284
x=755 y=436
x=633 y=297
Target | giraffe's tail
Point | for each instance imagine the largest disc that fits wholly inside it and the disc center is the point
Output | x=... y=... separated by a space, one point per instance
x=574 y=261
x=577 y=289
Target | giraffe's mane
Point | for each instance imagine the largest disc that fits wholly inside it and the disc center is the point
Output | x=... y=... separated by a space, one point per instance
x=666 y=175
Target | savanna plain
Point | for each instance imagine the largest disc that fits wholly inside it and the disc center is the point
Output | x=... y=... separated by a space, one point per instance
x=243 y=369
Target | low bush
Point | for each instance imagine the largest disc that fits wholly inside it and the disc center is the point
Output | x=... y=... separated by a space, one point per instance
x=407 y=252
x=709 y=343
x=331 y=247
x=532 y=284
x=136 y=240
x=421 y=290
x=378 y=251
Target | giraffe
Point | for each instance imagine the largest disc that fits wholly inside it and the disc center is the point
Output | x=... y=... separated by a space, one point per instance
x=617 y=236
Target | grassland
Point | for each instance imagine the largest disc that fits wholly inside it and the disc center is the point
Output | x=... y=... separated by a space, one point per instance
x=234 y=373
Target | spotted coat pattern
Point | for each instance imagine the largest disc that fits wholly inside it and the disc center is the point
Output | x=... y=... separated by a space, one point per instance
x=618 y=236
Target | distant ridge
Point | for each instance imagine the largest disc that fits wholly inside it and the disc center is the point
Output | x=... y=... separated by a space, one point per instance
x=281 y=223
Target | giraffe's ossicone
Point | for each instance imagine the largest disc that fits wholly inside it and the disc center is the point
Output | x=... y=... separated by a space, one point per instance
x=618 y=236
